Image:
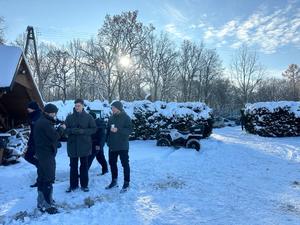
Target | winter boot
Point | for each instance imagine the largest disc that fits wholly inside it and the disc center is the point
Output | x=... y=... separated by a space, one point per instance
x=113 y=184
x=125 y=186
x=42 y=204
x=51 y=210
x=85 y=189
x=70 y=189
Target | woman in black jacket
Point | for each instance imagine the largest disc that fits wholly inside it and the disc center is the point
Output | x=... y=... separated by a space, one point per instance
x=98 y=141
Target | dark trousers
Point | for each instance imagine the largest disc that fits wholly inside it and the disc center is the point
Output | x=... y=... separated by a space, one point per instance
x=29 y=157
x=113 y=159
x=100 y=158
x=46 y=176
x=84 y=176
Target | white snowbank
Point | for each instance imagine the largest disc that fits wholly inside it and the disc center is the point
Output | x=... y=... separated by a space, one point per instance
x=293 y=107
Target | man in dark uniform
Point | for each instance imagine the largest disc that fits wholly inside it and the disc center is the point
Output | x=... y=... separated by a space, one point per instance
x=46 y=141
x=80 y=126
x=98 y=141
x=34 y=114
x=118 y=129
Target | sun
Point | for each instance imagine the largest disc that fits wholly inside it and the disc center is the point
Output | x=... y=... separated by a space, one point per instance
x=125 y=61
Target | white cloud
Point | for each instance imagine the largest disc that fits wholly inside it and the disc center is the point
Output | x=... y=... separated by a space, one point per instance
x=172 y=29
x=228 y=29
x=236 y=45
x=267 y=31
x=199 y=25
x=174 y=13
x=208 y=34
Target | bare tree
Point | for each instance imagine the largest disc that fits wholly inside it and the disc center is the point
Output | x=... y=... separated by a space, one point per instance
x=189 y=66
x=211 y=69
x=60 y=67
x=292 y=73
x=273 y=89
x=223 y=99
x=169 y=74
x=99 y=60
x=74 y=49
x=122 y=35
x=247 y=72
x=159 y=61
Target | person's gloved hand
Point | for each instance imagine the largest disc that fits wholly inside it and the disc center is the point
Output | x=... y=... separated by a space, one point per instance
x=60 y=130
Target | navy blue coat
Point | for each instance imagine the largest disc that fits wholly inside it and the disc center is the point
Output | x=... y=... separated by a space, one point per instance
x=98 y=138
x=33 y=117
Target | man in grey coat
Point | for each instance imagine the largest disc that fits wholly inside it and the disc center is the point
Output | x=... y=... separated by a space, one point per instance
x=118 y=131
x=79 y=127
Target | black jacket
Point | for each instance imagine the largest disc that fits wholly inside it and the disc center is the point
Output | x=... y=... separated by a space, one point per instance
x=80 y=127
x=46 y=137
x=33 y=117
x=119 y=140
x=98 y=138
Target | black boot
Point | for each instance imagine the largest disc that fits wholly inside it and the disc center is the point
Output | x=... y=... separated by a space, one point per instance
x=70 y=189
x=113 y=184
x=125 y=186
x=51 y=210
x=104 y=172
x=85 y=189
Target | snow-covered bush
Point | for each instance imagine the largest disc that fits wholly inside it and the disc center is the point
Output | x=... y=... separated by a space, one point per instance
x=273 y=119
x=149 y=117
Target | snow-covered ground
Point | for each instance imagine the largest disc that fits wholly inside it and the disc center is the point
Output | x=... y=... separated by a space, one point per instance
x=237 y=178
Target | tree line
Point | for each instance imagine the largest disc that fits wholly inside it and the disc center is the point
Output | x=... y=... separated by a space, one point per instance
x=129 y=60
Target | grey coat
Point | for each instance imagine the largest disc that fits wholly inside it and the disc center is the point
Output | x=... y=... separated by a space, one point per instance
x=119 y=140
x=80 y=127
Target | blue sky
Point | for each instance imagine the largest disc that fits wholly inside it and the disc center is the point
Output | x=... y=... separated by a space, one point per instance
x=271 y=27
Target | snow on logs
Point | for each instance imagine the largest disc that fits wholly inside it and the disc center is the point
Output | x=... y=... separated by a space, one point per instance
x=273 y=119
x=149 y=117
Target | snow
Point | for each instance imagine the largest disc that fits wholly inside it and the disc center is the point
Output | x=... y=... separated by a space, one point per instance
x=236 y=178
x=273 y=106
x=9 y=59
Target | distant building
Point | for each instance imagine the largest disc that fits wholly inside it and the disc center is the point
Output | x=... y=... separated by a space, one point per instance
x=17 y=87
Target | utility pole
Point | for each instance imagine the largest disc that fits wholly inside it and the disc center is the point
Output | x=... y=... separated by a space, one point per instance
x=31 y=36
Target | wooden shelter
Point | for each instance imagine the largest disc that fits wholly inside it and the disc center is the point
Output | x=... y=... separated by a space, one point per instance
x=17 y=88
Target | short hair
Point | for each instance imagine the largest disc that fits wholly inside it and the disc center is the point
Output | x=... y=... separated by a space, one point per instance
x=79 y=100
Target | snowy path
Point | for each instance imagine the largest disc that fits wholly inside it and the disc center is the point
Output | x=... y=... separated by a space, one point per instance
x=237 y=178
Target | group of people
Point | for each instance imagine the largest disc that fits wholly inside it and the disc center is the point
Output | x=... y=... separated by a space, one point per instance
x=86 y=137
